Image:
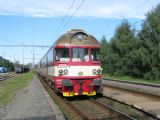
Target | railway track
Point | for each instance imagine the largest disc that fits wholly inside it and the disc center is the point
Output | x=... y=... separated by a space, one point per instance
x=6 y=77
x=84 y=108
x=144 y=97
x=91 y=109
x=148 y=89
x=126 y=109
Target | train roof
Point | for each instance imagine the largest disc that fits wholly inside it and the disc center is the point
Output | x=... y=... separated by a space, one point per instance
x=77 y=37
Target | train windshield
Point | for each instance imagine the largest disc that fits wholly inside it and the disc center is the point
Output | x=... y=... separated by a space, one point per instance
x=80 y=54
x=62 y=54
x=95 y=54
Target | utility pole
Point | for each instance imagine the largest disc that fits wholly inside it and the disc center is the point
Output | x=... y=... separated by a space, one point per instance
x=33 y=47
x=14 y=63
x=23 y=59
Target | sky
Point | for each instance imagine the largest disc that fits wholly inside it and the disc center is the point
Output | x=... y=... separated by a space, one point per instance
x=41 y=22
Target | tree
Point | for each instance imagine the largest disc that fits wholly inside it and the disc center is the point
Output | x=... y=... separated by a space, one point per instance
x=6 y=63
x=123 y=44
x=104 y=53
x=134 y=55
x=149 y=38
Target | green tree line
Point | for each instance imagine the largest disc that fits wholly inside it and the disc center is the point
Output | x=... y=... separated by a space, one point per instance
x=133 y=53
x=7 y=64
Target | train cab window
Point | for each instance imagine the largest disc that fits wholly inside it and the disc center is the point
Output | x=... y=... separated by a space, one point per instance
x=80 y=54
x=95 y=54
x=62 y=54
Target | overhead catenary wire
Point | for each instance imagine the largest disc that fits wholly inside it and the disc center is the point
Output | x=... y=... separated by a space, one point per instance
x=133 y=10
x=69 y=18
x=23 y=45
x=65 y=16
x=9 y=41
x=137 y=7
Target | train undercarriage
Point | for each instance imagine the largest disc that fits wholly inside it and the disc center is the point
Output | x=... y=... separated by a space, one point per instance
x=74 y=87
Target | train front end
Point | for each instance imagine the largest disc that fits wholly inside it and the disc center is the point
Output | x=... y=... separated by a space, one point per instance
x=77 y=66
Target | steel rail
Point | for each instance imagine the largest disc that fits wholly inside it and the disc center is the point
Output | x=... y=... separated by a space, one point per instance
x=84 y=117
x=2 y=78
x=81 y=112
x=111 y=108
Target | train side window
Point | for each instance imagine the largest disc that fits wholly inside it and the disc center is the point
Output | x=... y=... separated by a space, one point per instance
x=95 y=54
x=50 y=57
x=62 y=54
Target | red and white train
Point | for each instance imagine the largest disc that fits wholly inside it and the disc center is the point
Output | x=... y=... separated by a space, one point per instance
x=71 y=66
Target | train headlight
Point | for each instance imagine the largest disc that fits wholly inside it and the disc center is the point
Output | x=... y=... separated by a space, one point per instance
x=60 y=71
x=65 y=71
x=99 y=71
x=80 y=37
x=94 y=71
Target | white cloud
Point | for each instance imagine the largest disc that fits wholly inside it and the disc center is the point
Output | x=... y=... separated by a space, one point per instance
x=93 y=8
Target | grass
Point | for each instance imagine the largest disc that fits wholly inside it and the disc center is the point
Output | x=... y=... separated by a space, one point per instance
x=8 y=88
x=128 y=78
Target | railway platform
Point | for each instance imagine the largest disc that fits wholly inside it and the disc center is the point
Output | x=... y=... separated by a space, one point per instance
x=32 y=103
x=142 y=97
x=152 y=89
